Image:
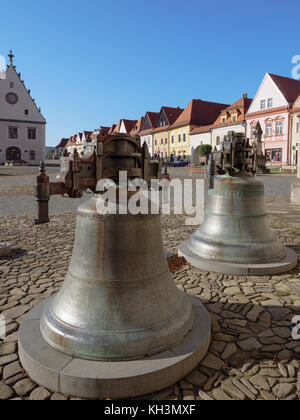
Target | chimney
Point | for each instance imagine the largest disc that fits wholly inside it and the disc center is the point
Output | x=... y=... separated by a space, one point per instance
x=245 y=95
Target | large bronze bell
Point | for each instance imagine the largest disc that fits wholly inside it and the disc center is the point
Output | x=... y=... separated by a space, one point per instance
x=235 y=236
x=235 y=226
x=118 y=301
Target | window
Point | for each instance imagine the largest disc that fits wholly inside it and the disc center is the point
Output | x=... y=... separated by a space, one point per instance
x=31 y=155
x=223 y=120
x=269 y=129
x=31 y=133
x=279 y=128
x=11 y=85
x=172 y=139
x=179 y=138
x=161 y=141
x=297 y=127
x=184 y=137
x=26 y=111
x=253 y=131
x=270 y=102
x=274 y=155
x=166 y=141
x=218 y=140
x=263 y=104
x=233 y=118
x=13 y=132
x=155 y=142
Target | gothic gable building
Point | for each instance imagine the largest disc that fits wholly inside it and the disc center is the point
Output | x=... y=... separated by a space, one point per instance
x=22 y=126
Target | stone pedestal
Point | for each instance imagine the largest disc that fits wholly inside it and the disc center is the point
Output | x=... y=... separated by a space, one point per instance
x=90 y=379
x=5 y=249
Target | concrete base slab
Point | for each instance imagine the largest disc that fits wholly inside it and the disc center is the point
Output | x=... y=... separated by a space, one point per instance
x=5 y=249
x=287 y=264
x=115 y=380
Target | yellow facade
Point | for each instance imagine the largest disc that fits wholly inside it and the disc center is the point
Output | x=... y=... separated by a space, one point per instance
x=161 y=144
x=180 y=141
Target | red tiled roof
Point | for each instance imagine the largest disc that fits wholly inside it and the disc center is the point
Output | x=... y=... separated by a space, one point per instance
x=290 y=88
x=203 y=129
x=172 y=113
x=162 y=128
x=105 y=128
x=153 y=116
x=244 y=102
x=296 y=106
x=117 y=127
x=137 y=126
x=199 y=112
x=129 y=124
x=111 y=130
x=240 y=108
x=70 y=142
x=145 y=132
x=62 y=143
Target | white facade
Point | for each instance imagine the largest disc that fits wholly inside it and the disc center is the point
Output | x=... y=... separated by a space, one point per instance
x=267 y=90
x=149 y=141
x=122 y=128
x=218 y=133
x=22 y=126
x=198 y=139
x=271 y=109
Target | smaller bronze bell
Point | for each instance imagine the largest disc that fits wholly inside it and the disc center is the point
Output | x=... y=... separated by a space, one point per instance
x=235 y=236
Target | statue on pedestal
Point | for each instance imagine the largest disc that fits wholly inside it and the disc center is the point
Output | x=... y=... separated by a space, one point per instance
x=260 y=157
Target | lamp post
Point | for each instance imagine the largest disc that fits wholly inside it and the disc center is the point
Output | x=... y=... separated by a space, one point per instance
x=244 y=124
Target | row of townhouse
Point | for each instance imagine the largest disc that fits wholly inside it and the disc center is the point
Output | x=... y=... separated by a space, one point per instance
x=174 y=132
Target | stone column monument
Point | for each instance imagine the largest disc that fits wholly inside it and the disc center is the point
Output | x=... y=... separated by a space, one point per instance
x=295 y=187
x=261 y=167
x=5 y=249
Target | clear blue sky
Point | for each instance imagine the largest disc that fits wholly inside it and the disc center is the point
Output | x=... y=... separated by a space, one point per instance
x=92 y=62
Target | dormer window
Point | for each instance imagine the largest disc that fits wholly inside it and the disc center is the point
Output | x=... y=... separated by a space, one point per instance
x=233 y=118
x=223 y=120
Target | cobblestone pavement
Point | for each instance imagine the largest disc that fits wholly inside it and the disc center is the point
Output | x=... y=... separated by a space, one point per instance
x=252 y=354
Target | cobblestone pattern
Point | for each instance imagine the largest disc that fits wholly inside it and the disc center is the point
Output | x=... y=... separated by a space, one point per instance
x=252 y=355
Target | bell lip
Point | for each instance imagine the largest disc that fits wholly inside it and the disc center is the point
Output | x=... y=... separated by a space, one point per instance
x=242 y=269
x=62 y=337
x=240 y=246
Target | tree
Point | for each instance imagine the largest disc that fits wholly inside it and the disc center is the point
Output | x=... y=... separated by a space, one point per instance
x=205 y=149
x=50 y=154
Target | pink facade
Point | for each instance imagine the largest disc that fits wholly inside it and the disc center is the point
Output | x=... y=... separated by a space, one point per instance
x=275 y=126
